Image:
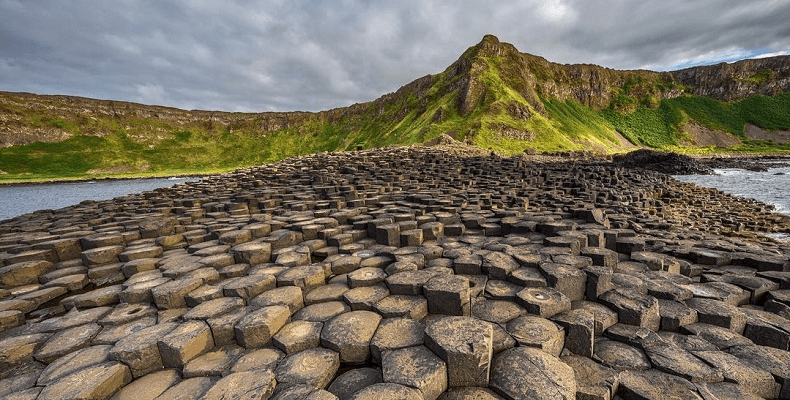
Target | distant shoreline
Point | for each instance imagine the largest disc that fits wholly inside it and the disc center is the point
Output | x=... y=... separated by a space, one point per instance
x=105 y=178
x=548 y=157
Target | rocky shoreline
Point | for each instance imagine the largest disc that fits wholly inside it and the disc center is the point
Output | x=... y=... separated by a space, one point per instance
x=400 y=273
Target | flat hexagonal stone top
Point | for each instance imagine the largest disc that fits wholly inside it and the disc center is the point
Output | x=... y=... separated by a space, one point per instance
x=548 y=377
x=312 y=366
x=350 y=333
x=466 y=345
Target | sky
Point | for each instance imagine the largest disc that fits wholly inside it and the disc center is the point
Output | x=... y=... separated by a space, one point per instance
x=301 y=55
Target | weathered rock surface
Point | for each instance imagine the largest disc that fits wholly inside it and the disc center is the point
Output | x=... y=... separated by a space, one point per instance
x=549 y=377
x=466 y=345
x=338 y=275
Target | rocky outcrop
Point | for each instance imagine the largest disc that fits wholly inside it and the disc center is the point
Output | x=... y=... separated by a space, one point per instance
x=738 y=80
x=335 y=275
x=666 y=163
x=27 y=118
x=596 y=86
x=488 y=77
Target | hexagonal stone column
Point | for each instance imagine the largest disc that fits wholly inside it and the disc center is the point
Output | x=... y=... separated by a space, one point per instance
x=184 y=343
x=223 y=326
x=416 y=367
x=140 y=350
x=350 y=333
x=579 y=327
x=415 y=307
x=466 y=345
x=396 y=333
x=72 y=362
x=252 y=253
x=529 y=373
x=149 y=386
x=432 y=230
x=171 y=294
x=66 y=341
x=448 y=294
x=534 y=331
x=753 y=378
x=599 y=281
x=411 y=237
x=601 y=256
x=387 y=391
x=363 y=298
x=314 y=367
x=247 y=385
x=675 y=314
x=498 y=265
x=654 y=384
x=677 y=361
x=354 y=380
x=593 y=380
x=297 y=336
x=633 y=308
x=567 y=279
x=543 y=301
x=364 y=277
x=101 y=255
x=257 y=328
x=289 y=296
x=306 y=277
x=24 y=273
x=388 y=235
x=247 y=287
x=99 y=381
x=716 y=312
x=213 y=308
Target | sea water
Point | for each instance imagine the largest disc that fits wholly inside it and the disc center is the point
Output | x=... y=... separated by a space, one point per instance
x=16 y=200
x=771 y=187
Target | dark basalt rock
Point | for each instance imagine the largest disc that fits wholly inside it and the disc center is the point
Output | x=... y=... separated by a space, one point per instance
x=401 y=273
x=666 y=163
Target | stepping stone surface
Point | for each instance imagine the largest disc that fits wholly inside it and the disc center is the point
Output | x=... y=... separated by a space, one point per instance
x=350 y=334
x=549 y=377
x=466 y=345
x=416 y=367
x=336 y=275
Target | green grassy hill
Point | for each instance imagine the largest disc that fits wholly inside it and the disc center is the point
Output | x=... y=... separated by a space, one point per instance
x=493 y=96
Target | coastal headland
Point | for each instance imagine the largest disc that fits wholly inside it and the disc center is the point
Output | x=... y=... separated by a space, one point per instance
x=492 y=96
x=401 y=273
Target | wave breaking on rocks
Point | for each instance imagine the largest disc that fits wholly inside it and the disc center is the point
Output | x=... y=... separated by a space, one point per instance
x=401 y=273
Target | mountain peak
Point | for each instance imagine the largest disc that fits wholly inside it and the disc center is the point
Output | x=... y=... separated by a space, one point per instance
x=491 y=46
x=490 y=39
x=492 y=96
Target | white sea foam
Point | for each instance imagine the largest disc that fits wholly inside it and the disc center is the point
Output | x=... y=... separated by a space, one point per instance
x=767 y=187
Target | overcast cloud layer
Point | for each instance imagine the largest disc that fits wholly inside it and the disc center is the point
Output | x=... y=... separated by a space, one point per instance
x=315 y=55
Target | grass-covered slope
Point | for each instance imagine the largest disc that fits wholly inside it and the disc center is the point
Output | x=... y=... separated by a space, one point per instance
x=493 y=96
x=662 y=126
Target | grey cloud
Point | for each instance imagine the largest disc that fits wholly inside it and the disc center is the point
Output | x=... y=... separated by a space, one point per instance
x=301 y=55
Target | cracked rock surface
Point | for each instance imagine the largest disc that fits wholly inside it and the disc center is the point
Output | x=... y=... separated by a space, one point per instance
x=400 y=273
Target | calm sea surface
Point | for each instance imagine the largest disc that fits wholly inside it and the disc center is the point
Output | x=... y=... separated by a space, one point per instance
x=22 y=199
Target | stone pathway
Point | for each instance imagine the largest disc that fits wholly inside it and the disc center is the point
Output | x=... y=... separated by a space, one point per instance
x=399 y=273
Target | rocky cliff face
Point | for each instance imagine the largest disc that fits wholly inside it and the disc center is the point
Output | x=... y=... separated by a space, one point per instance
x=26 y=118
x=534 y=77
x=767 y=76
x=596 y=86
